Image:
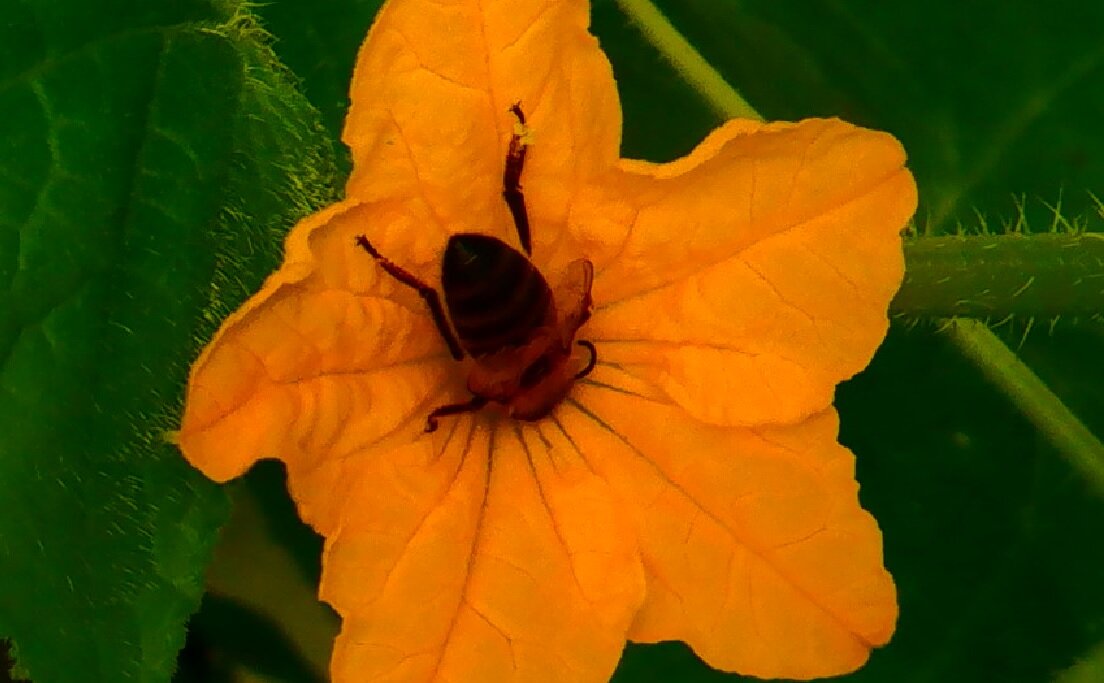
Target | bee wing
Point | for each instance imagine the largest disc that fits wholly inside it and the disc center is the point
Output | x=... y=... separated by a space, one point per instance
x=572 y=297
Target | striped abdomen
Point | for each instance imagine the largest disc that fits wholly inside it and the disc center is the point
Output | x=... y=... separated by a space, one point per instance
x=495 y=296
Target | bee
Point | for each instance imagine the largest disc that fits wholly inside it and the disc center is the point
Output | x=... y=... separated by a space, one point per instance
x=518 y=331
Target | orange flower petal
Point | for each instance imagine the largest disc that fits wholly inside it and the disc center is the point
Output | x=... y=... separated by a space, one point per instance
x=756 y=550
x=329 y=356
x=750 y=278
x=481 y=560
x=430 y=112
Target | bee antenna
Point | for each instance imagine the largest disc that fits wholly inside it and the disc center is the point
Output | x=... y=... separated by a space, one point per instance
x=593 y=358
x=470 y=406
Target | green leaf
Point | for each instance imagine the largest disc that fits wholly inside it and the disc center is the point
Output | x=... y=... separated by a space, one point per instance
x=151 y=158
x=319 y=40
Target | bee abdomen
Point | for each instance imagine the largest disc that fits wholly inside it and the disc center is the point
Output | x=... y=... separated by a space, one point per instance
x=495 y=296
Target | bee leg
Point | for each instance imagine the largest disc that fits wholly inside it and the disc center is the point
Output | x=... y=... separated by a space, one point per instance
x=424 y=290
x=470 y=406
x=511 y=182
x=593 y=358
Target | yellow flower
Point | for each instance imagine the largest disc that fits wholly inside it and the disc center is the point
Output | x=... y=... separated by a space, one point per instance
x=691 y=487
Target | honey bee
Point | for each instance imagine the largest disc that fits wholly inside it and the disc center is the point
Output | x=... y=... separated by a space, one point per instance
x=518 y=331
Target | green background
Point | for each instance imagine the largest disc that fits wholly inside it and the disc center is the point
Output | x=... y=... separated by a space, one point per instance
x=152 y=155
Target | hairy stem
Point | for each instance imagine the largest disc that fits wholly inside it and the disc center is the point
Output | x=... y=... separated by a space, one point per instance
x=996 y=276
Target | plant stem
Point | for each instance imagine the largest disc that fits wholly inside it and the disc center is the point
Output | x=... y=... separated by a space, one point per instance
x=1043 y=275
x=699 y=73
x=1033 y=397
